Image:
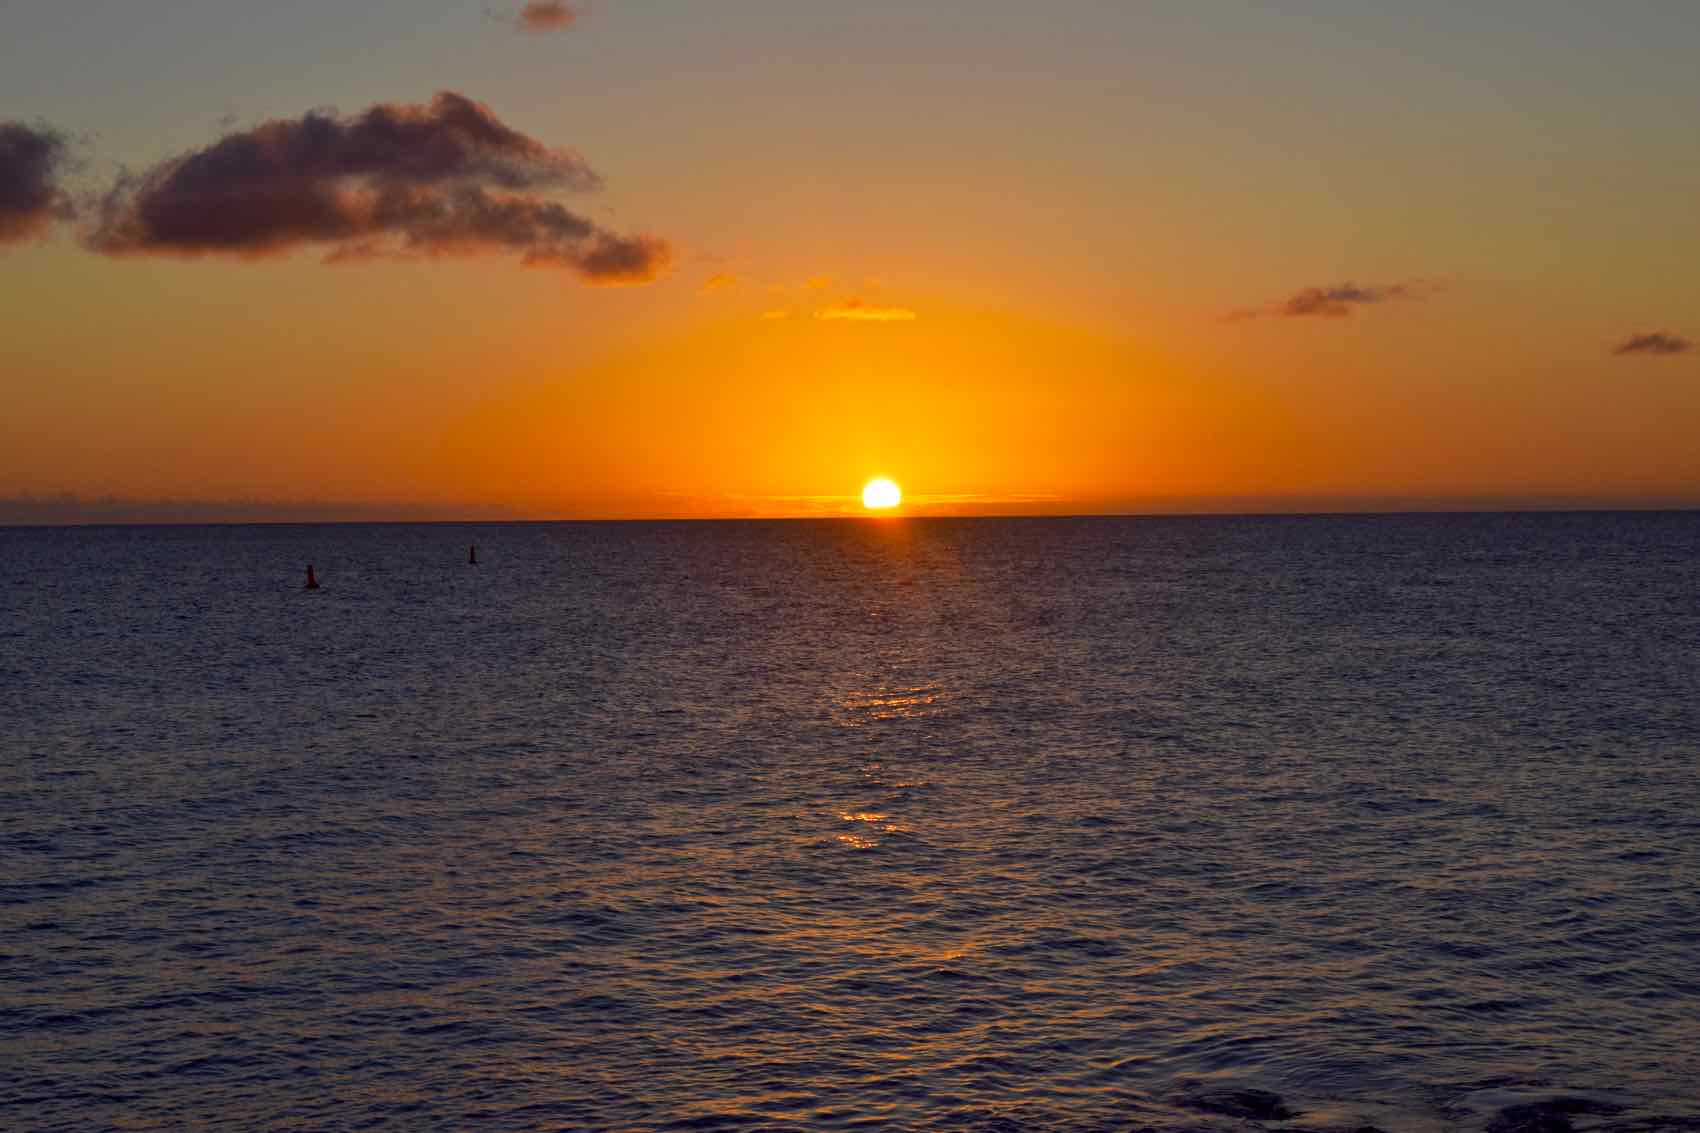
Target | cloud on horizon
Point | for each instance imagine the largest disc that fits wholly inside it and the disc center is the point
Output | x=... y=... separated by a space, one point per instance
x=1657 y=343
x=30 y=196
x=397 y=181
x=854 y=310
x=544 y=16
x=1336 y=301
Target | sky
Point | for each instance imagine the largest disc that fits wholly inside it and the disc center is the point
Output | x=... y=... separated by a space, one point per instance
x=654 y=258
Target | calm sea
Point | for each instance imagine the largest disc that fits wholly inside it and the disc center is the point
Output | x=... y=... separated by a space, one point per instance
x=984 y=824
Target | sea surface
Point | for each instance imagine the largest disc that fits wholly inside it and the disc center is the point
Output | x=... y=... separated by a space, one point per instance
x=1167 y=824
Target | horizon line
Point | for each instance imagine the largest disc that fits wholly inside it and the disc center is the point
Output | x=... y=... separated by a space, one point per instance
x=73 y=511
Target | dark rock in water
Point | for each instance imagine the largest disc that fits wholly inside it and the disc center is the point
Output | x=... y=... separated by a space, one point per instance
x=1253 y=1105
x=1551 y=1116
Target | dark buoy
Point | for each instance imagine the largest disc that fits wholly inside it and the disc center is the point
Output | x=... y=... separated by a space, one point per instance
x=472 y=556
x=312 y=581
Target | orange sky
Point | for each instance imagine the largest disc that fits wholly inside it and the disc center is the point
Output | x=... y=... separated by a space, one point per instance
x=1093 y=281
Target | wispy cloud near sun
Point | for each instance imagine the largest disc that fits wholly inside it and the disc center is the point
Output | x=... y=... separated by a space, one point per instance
x=855 y=310
x=445 y=178
x=546 y=16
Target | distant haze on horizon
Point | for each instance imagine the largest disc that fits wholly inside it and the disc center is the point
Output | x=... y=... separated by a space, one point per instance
x=699 y=258
x=67 y=510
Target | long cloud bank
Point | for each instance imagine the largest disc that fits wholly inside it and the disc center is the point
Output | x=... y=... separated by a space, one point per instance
x=397 y=180
x=30 y=196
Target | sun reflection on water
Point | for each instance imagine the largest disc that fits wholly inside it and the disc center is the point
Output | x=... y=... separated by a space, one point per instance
x=870 y=699
x=903 y=702
x=868 y=822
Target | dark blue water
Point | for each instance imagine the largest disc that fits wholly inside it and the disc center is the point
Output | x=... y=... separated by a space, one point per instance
x=1003 y=825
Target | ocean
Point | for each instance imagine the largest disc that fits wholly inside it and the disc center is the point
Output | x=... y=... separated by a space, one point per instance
x=1040 y=824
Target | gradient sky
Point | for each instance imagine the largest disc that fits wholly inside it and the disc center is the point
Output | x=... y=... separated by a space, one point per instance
x=1196 y=256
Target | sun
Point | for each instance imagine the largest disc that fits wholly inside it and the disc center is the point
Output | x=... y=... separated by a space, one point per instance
x=881 y=495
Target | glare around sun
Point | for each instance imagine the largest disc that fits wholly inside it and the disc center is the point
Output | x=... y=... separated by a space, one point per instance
x=881 y=494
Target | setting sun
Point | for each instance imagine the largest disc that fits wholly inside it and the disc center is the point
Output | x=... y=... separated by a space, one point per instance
x=881 y=494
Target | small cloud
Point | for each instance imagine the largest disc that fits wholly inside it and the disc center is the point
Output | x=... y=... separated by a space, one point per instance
x=1336 y=301
x=855 y=310
x=719 y=281
x=774 y=316
x=30 y=197
x=818 y=283
x=546 y=16
x=1656 y=343
x=609 y=259
x=397 y=181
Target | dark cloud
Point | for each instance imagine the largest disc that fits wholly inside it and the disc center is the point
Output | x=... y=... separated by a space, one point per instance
x=547 y=15
x=30 y=196
x=1337 y=302
x=448 y=178
x=621 y=259
x=1656 y=342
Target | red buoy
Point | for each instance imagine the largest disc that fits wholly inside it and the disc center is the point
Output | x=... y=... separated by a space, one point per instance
x=472 y=557
x=312 y=582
